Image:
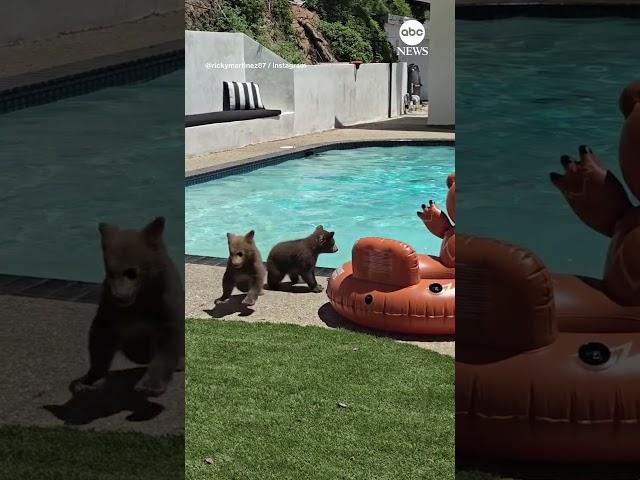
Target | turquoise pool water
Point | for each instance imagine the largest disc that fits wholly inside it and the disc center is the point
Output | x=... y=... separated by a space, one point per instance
x=528 y=91
x=114 y=155
x=373 y=191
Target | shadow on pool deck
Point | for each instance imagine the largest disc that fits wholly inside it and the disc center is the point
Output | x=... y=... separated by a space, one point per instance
x=114 y=396
x=405 y=123
x=45 y=346
x=204 y=285
x=233 y=305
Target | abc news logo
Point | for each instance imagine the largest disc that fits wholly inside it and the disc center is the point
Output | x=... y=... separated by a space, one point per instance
x=412 y=34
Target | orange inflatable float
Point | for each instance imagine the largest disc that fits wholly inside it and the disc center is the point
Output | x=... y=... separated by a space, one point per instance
x=548 y=365
x=388 y=286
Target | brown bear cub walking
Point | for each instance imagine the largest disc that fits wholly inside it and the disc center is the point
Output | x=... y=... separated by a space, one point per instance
x=244 y=269
x=298 y=258
x=141 y=311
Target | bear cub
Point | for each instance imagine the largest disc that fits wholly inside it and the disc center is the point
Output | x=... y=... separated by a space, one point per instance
x=141 y=310
x=245 y=269
x=298 y=258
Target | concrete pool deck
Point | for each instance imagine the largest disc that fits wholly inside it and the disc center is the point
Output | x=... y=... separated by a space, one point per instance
x=294 y=306
x=32 y=56
x=406 y=127
x=45 y=345
x=203 y=282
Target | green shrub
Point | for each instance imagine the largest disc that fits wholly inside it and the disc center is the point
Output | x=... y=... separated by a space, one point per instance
x=354 y=28
x=365 y=18
x=347 y=42
x=289 y=50
x=282 y=16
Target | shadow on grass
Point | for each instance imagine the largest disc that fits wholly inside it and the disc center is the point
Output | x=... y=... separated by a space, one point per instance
x=115 y=395
x=474 y=469
x=332 y=320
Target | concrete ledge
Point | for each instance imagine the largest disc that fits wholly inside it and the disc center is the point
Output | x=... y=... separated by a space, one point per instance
x=226 y=116
x=225 y=136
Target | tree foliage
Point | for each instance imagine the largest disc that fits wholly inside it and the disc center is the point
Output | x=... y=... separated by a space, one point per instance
x=354 y=28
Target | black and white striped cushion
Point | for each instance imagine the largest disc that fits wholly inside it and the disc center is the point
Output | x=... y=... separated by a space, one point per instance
x=241 y=96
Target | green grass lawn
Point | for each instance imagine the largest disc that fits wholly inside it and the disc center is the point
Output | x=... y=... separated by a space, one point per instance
x=33 y=453
x=287 y=402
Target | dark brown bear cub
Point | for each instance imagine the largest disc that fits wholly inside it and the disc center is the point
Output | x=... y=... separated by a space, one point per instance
x=298 y=258
x=244 y=269
x=141 y=311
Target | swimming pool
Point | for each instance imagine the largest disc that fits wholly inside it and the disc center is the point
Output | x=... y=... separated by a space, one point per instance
x=114 y=155
x=529 y=90
x=358 y=192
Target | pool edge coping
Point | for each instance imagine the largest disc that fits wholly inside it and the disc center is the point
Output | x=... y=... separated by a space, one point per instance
x=82 y=73
x=64 y=71
x=73 y=291
x=201 y=175
x=79 y=291
x=88 y=293
x=222 y=262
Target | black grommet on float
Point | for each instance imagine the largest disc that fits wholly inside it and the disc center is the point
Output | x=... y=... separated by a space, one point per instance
x=594 y=353
x=435 y=288
x=368 y=299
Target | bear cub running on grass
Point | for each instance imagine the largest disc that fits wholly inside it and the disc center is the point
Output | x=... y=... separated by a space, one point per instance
x=244 y=269
x=298 y=258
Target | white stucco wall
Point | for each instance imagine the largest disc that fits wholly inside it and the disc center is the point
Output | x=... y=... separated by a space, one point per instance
x=203 y=86
x=365 y=94
x=313 y=98
x=276 y=84
x=218 y=137
x=400 y=79
x=337 y=94
x=441 y=76
x=34 y=19
x=204 y=77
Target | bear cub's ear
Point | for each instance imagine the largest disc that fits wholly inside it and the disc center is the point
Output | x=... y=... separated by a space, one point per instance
x=153 y=231
x=107 y=231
